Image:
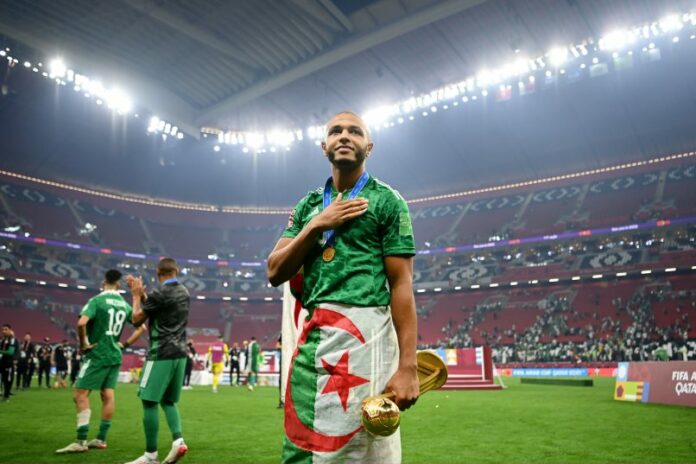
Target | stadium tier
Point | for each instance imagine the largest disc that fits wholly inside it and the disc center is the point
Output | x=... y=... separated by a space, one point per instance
x=664 y=308
x=599 y=202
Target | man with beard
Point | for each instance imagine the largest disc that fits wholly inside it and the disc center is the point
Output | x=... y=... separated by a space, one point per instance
x=25 y=363
x=354 y=241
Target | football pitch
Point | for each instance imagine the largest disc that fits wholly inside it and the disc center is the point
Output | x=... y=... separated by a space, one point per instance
x=524 y=423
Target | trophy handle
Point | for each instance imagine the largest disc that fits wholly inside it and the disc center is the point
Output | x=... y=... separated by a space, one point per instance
x=432 y=373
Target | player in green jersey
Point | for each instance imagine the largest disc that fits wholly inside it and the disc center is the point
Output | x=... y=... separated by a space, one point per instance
x=254 y=351
x=354 y=241
x=166 y=309
x=99 y=328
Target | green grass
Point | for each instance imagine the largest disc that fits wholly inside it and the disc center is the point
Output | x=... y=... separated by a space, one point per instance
x=525 y=423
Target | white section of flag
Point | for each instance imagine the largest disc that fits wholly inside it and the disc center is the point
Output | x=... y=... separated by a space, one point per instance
x=290 y=333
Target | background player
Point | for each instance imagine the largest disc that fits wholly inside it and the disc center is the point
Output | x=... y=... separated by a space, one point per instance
x=253 y=363
x=60 y=361
x=167 y=309
x=45 y=353
x=218 y=357
x=25 y=363
x=99 y=329
x=235 y=354
x=8 y=348
x=190 y=358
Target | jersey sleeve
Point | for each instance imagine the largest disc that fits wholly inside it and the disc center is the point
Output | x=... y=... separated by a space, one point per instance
x=296 y=221
x=397 y=228
x=90 y=309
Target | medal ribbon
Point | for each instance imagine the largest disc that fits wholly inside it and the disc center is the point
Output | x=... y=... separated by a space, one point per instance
x=330 y=235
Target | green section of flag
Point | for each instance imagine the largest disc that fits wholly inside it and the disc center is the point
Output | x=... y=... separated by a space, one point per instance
x=304 y=379
x=294 y=455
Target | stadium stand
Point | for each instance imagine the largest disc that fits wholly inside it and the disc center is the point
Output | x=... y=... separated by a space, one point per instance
x=609 y=201
x=501 y=319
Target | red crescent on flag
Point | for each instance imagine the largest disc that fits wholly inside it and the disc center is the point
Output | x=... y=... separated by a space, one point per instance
x=297 y=432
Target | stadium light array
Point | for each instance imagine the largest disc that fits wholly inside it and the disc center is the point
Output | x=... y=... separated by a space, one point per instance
x=114 y=98
x=557 y=57
x=484 y=83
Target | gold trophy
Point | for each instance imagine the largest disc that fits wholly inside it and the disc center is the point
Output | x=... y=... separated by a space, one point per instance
x=381 y=416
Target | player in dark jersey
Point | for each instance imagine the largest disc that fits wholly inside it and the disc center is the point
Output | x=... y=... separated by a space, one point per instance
x=166 y=309
x=60 y=361
x=44 y=353
x=99 y=329
x=25 y=363
x=8 y=349
x=234 y=363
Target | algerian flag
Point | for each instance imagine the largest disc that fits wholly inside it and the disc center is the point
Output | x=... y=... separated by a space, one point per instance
x=294 y=316
x=344 y=354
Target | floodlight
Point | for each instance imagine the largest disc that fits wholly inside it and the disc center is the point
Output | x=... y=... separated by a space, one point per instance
x=116 y=99
x=378 y=115
x=57 y=68
x=558 y=56
x=616 y=40
x=671 y=23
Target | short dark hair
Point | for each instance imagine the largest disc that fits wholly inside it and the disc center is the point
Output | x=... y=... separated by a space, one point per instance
x=167 y=266
x=8 y=326
x=112 y=276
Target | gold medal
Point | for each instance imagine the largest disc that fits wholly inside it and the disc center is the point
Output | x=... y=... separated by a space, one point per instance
x=328 y=254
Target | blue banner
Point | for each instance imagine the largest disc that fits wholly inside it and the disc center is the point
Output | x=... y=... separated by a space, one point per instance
x=550 y=372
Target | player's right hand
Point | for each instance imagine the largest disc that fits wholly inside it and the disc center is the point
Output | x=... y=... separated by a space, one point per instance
x=86 y=348
x=135 y=284
x=339 y=212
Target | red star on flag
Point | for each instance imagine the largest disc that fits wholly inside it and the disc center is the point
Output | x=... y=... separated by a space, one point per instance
x=341 y=381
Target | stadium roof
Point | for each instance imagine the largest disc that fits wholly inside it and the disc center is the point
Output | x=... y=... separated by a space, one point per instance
x=293 y=66
x=239 y=64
